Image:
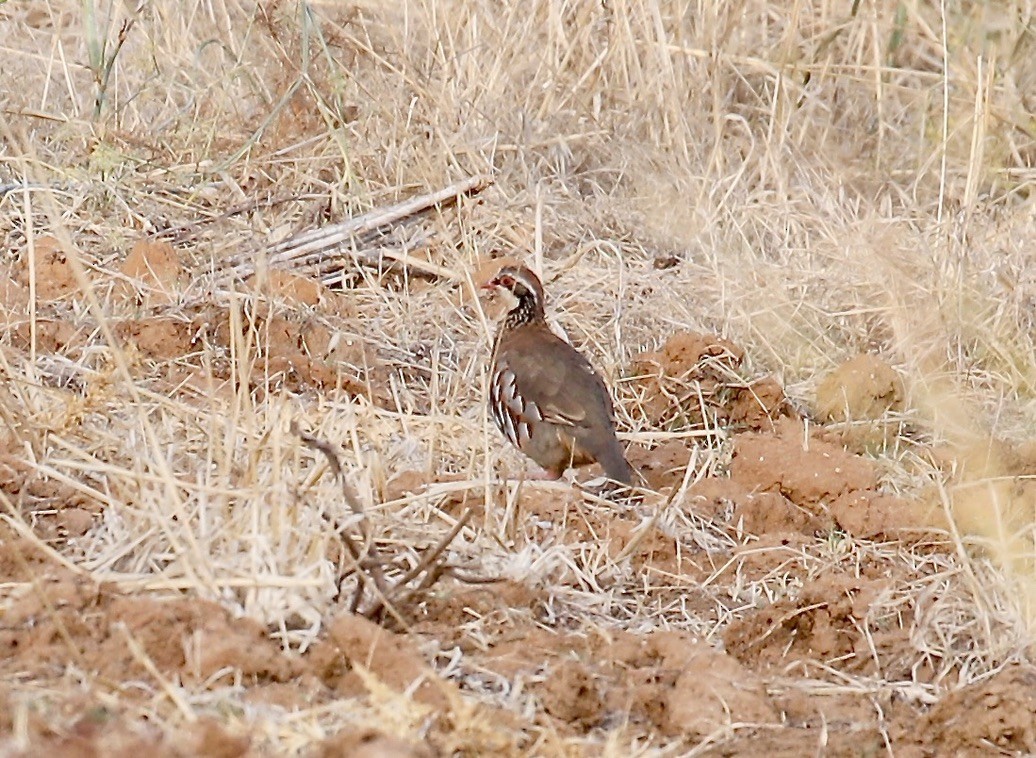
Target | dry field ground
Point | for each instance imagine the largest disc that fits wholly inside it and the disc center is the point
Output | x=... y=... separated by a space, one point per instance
x=798 y=237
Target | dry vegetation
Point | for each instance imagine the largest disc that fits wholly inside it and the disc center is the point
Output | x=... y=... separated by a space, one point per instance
x=844 y=571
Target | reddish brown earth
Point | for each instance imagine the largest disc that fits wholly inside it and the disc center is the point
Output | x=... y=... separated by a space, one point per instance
x=771 y=611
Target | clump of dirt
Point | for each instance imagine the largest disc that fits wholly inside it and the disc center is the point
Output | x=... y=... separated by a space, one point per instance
x=844 y=723
x=831 y=623
x=858 y=395
x=663 y=466
x=982 y=471
x=354 y=641
x=826 y=485
x=758 y=404
x=806 y=470
x=370 y=743
x=1019 y=458
x=276 y=287
x=875 y=515
x=359 y=659
x=667 y=681
x=70 y=621
x=292 y=349
x=695 y=382
x=100 y=732
x=159 y=338
x=154 y=274
x=20 y=560
x=986 y=457
x=998 y=713
x=757 y=512
x=54 y=334
x=684 y=687
x=444 y=611
x=293 y=288
x=53 y=274
x=571 y=695
x=58 y=510
x=296 y=352
x=75 y=522
x=862 y=388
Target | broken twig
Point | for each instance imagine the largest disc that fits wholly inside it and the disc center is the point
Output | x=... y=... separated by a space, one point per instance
x=313 y=247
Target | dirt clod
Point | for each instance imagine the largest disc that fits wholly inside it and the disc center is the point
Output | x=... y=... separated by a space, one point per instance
x=863 y=388
x=155 y=272
x=570 y=695
x=685 y=687
x=806 y=470
x=368 y=743
x=393 y=659
x=999 y=713
x=54 y=277
x=687 y=378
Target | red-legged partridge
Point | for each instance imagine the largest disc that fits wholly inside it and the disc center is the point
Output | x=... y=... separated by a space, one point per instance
x=543 y=395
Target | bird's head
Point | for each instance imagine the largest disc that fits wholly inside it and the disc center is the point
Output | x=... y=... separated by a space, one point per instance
x=521 y=287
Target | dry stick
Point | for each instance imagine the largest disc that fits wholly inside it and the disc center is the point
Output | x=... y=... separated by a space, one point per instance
x=302 y=246
x=329 y=271
x=435 y=552
x=188 y=230
x=301 y=251
x=368 y=257
x=353 y=501
x=374 y=578
x=384 y=594
x=431 y=557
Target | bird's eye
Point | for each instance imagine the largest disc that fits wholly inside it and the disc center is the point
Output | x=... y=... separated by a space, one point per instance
x=506 y=281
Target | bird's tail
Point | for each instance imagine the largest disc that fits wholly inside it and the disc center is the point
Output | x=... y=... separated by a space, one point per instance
x=613 y=461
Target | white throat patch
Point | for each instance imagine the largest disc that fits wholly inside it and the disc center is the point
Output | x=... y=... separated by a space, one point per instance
x=507 y=299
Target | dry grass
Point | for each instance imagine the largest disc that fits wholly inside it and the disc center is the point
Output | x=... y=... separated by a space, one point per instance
x=831 y=178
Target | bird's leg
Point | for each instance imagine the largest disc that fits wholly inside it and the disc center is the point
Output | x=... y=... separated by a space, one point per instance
x=538 y=474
